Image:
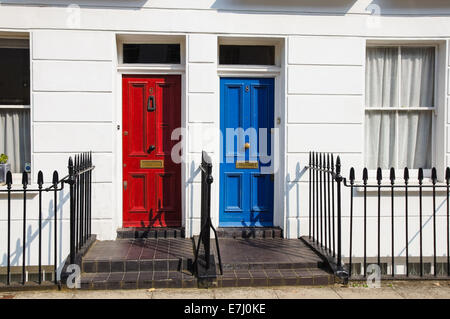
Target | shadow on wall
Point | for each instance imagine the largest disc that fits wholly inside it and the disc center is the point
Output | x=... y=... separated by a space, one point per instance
x=293 y=188
x=415 y=6
x=372 y=7
x=32 y=237
x=286 y=6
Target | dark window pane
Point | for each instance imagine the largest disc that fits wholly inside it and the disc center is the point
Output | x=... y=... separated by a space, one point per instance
x=14 y=76
x=151 y=53
x=247 y=54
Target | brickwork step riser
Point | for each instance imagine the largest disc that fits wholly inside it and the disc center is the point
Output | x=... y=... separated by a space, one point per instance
x=185 y=281
x=113 y=266
x=267 y=233
x=138 y=280
x=256 y=266
x=130 y=233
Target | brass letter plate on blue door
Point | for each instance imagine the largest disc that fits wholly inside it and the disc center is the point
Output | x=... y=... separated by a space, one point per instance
x=152 y=164
x=246 y=164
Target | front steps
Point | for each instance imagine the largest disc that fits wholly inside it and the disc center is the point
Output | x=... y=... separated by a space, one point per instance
x=138 y=263
x=158 y=258
x=270 y=262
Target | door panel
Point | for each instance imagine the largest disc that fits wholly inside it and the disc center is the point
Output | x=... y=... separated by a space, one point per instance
x=233 y=192
x=246 y=183
x=152 y=181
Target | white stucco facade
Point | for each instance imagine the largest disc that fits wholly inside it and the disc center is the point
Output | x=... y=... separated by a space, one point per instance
x=76 y=93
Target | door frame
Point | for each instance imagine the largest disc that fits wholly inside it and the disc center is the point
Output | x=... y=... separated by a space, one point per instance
x=119 y=138
x=277 y=73
x=145 y=75
x=220 y=175
x=151 y=70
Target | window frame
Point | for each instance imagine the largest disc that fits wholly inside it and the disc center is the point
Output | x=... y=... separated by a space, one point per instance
x=277 y=42
x=432 y=109
x=122 y=39
x=17 y=177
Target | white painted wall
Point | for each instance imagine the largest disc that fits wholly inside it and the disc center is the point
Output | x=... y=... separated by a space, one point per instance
x=76 y=96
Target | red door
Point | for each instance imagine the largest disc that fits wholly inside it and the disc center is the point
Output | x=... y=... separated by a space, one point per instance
x=151 y=180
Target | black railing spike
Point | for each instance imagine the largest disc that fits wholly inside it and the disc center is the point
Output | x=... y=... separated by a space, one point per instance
x=352 y=175
x=55 y=178
x=365 y=176
x=321 y=160
x=433 y=175
x=328 y=161
x=313 y=159
x=332 y=162
x=379 y=175
x=392 y=175
x=447 y=175
x=9 y=179
x=338 y=165
x=420 y=175
x=24 y=179
x=40 y=179
x=309 y=159
x=70 y=165
x=406 y=175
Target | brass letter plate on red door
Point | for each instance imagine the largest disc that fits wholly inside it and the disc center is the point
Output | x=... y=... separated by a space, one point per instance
x=152 y=164
x=246 y=164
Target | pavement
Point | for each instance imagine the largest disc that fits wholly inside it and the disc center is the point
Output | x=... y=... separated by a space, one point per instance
x=388 y=290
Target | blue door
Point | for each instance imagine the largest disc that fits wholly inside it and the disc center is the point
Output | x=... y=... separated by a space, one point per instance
x=246 y=174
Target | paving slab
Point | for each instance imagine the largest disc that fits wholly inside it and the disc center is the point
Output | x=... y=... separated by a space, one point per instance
x=183 y=294
x=367 y=293
x=306 y=293
x=244 y=293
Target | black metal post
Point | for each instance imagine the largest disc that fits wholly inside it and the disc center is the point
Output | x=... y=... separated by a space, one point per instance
x=352 y=181
x=8 y=267
x=309 y=184
x=55 y=181
x=71 y=182
x=406 y=178
x=392 y=178
x=420 y=177
x=447 y=180
x=365 y=178
x=24 y=183
x=379 y=178
x=338 y=179
x=433 y=181
x=40 y=182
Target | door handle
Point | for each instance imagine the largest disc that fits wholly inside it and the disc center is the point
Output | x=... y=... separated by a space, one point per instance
x=151 y=108
x=151 y=148
x=125 y=184
x=247 y=146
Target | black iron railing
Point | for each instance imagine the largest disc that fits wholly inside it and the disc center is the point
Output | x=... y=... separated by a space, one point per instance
x=325 y=213
x=80 y=181
x=204 y=265
x=326 y=222
x=400 y=189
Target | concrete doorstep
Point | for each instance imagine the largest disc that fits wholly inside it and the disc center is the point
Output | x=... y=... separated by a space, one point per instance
x=388 y=290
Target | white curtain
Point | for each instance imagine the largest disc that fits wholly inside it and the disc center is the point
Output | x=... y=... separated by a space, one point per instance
x=399 y=138
x=15 y=137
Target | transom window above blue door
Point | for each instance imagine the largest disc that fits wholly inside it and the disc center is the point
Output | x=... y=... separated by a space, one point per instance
x=247 y=54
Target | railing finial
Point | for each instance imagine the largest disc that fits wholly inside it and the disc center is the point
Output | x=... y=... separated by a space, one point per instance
x=392 y=175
